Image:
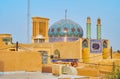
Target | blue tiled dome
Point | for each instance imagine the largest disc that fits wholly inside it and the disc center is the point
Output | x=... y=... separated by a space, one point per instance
x=65 y=28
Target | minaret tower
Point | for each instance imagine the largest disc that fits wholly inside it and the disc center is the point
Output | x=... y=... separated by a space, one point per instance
x=98 y=28
x=88 y=25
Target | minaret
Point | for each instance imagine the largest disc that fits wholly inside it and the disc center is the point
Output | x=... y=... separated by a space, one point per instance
x=88 y=25
x=98 y=28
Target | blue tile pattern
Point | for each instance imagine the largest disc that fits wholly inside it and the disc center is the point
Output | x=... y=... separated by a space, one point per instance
x=65 y=28
x=95 y=46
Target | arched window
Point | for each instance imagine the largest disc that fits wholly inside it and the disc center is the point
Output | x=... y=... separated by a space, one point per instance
x=56 y=53
x=105 y=44
x=84 y=43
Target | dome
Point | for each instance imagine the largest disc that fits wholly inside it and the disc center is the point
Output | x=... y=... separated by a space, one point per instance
x=65 y=28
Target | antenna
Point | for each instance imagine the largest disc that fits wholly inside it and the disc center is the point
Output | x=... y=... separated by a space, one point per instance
x=66 y=14
x=28 y=21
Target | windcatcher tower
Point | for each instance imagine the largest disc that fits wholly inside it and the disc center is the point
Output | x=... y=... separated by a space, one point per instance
x=39 y=29
x=98 y=28
x=88 y=25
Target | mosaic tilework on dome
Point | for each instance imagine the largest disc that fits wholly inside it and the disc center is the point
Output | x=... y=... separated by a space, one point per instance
x=65 y=28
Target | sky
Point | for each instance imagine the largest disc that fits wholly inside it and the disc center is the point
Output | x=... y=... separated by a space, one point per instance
x=13 y=16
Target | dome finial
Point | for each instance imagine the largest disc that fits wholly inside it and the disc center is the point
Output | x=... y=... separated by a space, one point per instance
x=65 y=14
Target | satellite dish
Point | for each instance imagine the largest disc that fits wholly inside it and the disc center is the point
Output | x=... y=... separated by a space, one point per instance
x=69 y=70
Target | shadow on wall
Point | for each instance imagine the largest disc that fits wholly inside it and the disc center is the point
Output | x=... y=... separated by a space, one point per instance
x=1 y=66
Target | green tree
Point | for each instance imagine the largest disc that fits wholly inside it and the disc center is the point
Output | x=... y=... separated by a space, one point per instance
x=115 y=74
x=118 y=51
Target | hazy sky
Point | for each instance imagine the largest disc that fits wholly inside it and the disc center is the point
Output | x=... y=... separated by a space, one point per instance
x=13 y=16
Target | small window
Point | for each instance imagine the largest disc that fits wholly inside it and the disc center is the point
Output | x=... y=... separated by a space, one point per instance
x=39 y=40
x=7 y=40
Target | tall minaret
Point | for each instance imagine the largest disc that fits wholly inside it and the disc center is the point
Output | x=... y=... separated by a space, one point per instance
x=98 y=28
x=88 y=25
